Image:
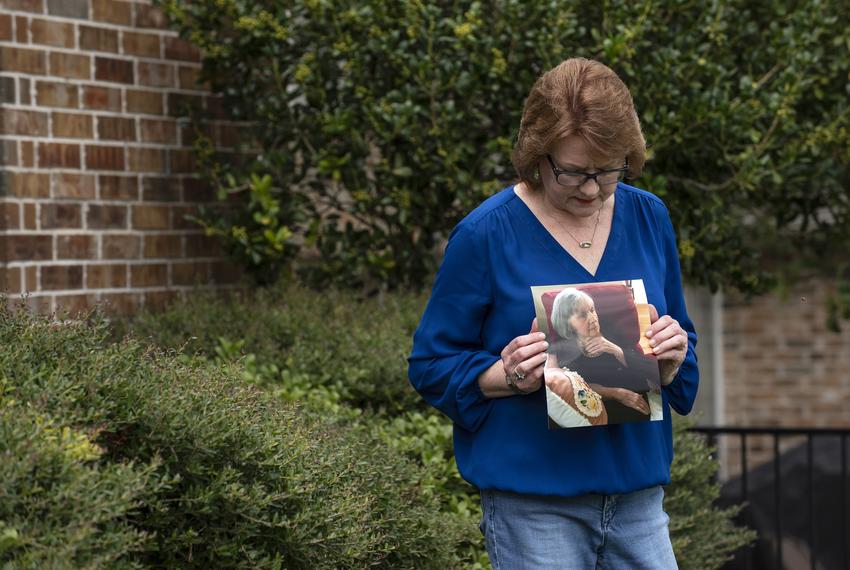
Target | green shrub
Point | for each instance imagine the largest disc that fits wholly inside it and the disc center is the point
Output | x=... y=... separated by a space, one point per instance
x=702 y=534
x=232 y=477
x=387 y=121
x=331 y=338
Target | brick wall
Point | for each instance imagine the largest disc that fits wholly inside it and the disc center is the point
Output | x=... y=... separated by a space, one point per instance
x=97 y=171
x=782 y=367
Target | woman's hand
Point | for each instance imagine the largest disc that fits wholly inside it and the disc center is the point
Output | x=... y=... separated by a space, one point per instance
x=523 y=357
x=669 y=343
x=600 y=345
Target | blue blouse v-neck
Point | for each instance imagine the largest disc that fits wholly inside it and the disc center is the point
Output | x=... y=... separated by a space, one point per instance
x=481 y=300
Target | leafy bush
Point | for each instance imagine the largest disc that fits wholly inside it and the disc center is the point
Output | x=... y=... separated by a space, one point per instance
x=387 y=121
x=186 y=466
x=331 y=338
x=380 y=331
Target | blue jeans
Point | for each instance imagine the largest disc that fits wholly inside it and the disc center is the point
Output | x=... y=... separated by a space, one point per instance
x=627 y=531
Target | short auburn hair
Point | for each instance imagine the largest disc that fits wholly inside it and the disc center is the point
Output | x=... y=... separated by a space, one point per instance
x=578 y=97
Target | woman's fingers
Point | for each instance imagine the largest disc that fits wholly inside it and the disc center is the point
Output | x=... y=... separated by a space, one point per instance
x=521 y=341
x=532 y=366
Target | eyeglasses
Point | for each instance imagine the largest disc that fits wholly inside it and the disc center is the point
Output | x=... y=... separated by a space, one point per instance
x=572 y=178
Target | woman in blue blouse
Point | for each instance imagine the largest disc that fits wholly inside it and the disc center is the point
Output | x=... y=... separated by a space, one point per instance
x=575 y=498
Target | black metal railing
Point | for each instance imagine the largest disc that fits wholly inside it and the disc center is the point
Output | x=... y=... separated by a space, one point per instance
x=781 y=492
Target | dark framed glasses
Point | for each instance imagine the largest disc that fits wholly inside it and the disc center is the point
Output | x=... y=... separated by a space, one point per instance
x=573 y=178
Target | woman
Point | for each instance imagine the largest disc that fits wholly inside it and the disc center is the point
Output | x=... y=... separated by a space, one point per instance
x=576 y=498
x=621 y=377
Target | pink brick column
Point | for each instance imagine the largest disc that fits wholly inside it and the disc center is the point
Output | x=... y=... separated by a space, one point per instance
x=96 y=169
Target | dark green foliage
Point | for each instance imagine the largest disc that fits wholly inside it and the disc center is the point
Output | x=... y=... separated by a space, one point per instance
x=145 y=459
x=396 y=118
x=377 y=333
x=333 y=338
x=703 y=536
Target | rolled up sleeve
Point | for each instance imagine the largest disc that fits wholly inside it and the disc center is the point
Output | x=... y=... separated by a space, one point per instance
x=448 y=354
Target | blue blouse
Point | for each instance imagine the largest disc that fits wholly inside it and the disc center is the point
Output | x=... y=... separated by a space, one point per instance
x=481 y=300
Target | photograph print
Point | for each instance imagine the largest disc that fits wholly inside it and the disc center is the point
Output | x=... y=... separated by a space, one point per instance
x=600 y=369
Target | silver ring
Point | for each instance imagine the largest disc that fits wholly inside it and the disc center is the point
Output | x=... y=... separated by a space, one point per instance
x=519 y=375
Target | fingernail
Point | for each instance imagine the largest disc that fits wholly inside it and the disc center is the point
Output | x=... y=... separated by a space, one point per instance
x=541 y=335
x=652 y=343
x=648 y=333
x=655 y=349
x=545 y=345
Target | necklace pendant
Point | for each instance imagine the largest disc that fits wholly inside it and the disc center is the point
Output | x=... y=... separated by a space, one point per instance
x=585 y=245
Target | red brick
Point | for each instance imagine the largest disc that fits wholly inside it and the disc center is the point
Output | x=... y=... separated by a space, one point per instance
x=27 y=153
x=30 y=217
x=9 y=152
x=25 y=184
x=30 y=61
x=190 y=132
x=156 y=74
x=103 y=216
x=160 y=189
x=159 y=300
x=31 y=278
x=52 y=94
x=24 y=89
x=124 y=304
x=151 y=217
x=24 y=5
x=202 y=246
x=72 y=185
x=76 y=247
x=58 y=154
x=111 y=69
x=69 y=125
x=10 y=280
x=179 y=221
x=54 y=277
x=74 y=306
x=106 y=276
x=150 y=17
x=145 y=45
x=146 y=160
x=112 y=11
x=197 y=190
x=7 y=90
x=69 y=8
x=27 y=247
x=20 y=122
x=119 y=187
x=149 y=102
x=182 y=104
x=178 y=48
x=116 y=128
x=60 y=215
x=59 y=34
x=104 y=157
x=101 y=98
x=190 y=273
x=22 y=30
x=121 y=246
x=71 y=65
x=5 y=27
x=148 y=275
x=159 y=131
x=183 y=160
x=10 y=216
x=190 y=78
x=163 y=246
x=98 y=39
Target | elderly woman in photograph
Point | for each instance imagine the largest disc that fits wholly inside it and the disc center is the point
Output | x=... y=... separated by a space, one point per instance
x=569 y=498
x=621 y=377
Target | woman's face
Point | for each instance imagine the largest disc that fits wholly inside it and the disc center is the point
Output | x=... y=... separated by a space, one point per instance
x=585 y=321
x=573 y=153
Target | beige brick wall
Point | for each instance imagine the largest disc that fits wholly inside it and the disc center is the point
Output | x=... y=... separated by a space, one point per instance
x=96 y=169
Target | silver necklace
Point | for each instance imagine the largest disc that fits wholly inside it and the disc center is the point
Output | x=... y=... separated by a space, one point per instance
x=583 y=244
